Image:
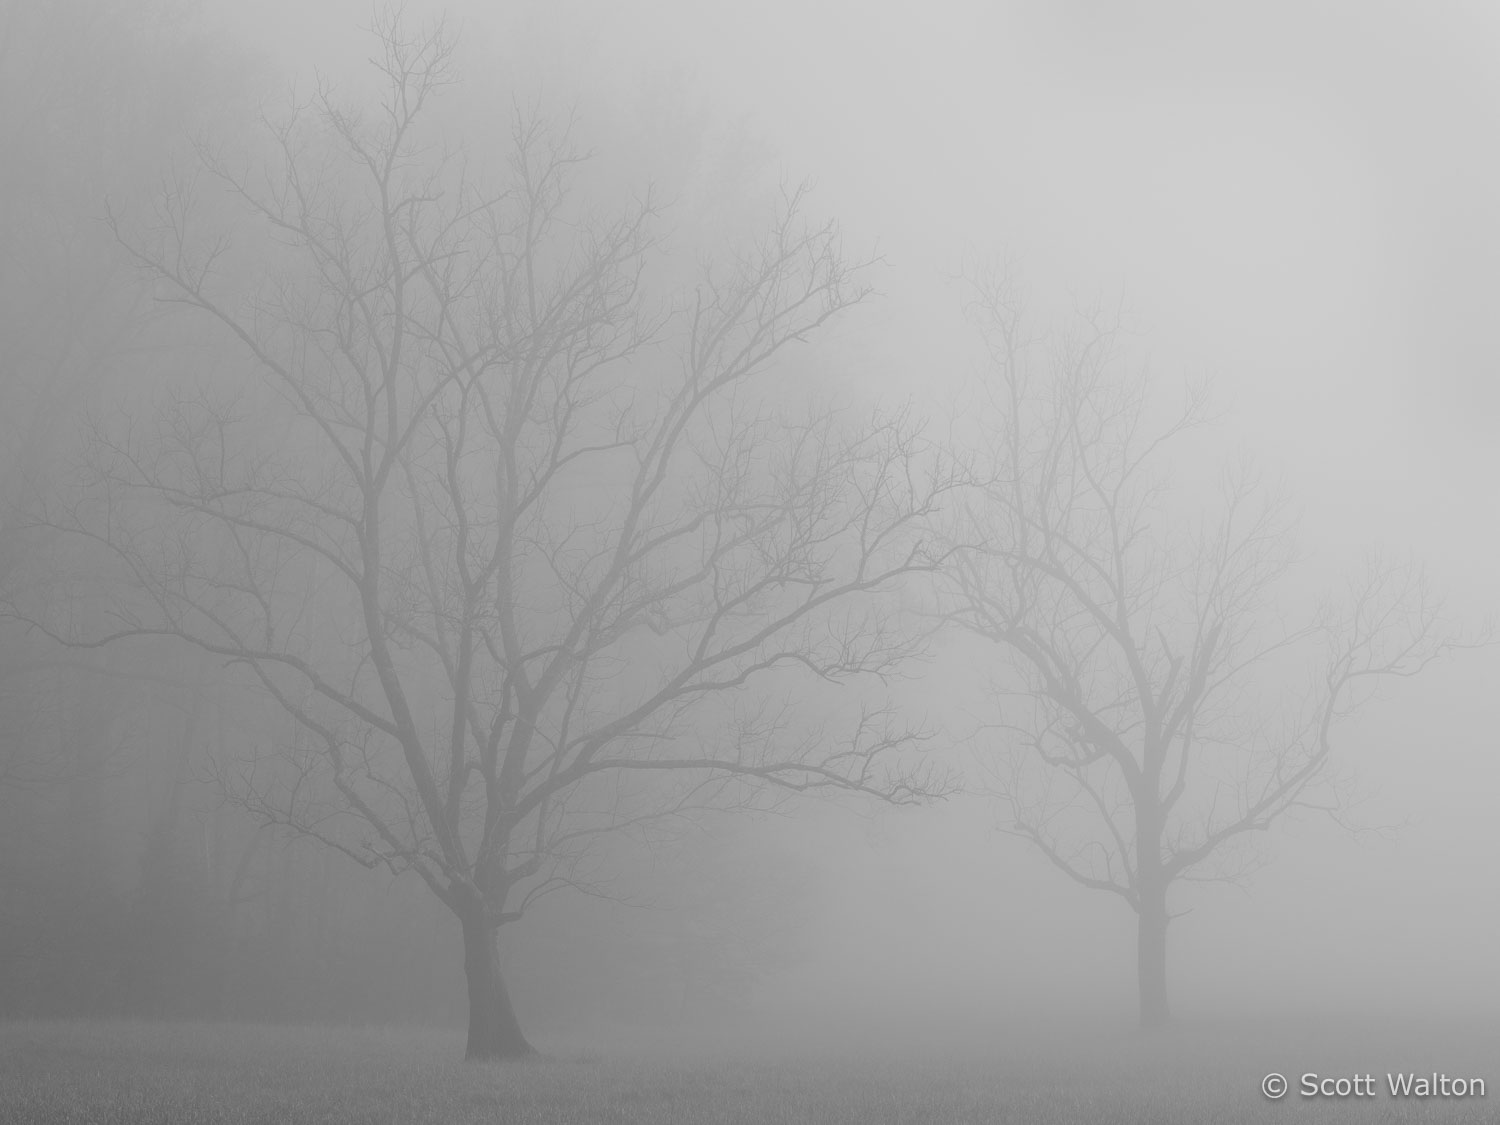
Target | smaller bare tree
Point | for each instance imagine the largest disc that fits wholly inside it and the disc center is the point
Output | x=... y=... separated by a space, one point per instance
x=1156 y=711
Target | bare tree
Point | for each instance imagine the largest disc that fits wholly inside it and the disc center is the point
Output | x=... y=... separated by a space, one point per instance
x=513 y=542
x=1156 y=710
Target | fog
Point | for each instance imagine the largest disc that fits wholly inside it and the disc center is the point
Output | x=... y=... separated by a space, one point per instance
x=818 y=825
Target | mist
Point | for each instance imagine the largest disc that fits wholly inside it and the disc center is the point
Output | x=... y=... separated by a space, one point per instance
x=707 y=544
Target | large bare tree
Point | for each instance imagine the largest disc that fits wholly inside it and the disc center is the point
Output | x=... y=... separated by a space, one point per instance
x=505 y=527
x=1156 y=708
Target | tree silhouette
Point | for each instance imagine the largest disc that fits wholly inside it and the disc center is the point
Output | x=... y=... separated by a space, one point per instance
x=1155 y=709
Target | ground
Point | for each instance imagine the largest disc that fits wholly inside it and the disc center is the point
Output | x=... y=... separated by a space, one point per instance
x=127 y=1072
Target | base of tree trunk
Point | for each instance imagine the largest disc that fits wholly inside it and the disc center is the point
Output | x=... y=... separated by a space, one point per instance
x=1151 y=966
x=499 y=1052
x=494 y=1032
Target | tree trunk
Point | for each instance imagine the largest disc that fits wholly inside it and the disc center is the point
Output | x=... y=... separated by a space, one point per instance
x=494 y=1032
x=1151 y=959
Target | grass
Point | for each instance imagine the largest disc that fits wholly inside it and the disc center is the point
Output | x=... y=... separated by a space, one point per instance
x=118 y=1072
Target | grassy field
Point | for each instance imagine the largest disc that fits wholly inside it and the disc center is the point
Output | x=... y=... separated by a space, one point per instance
x=119 y=1072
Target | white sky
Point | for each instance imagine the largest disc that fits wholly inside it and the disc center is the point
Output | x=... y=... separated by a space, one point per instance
x=1298 y=195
